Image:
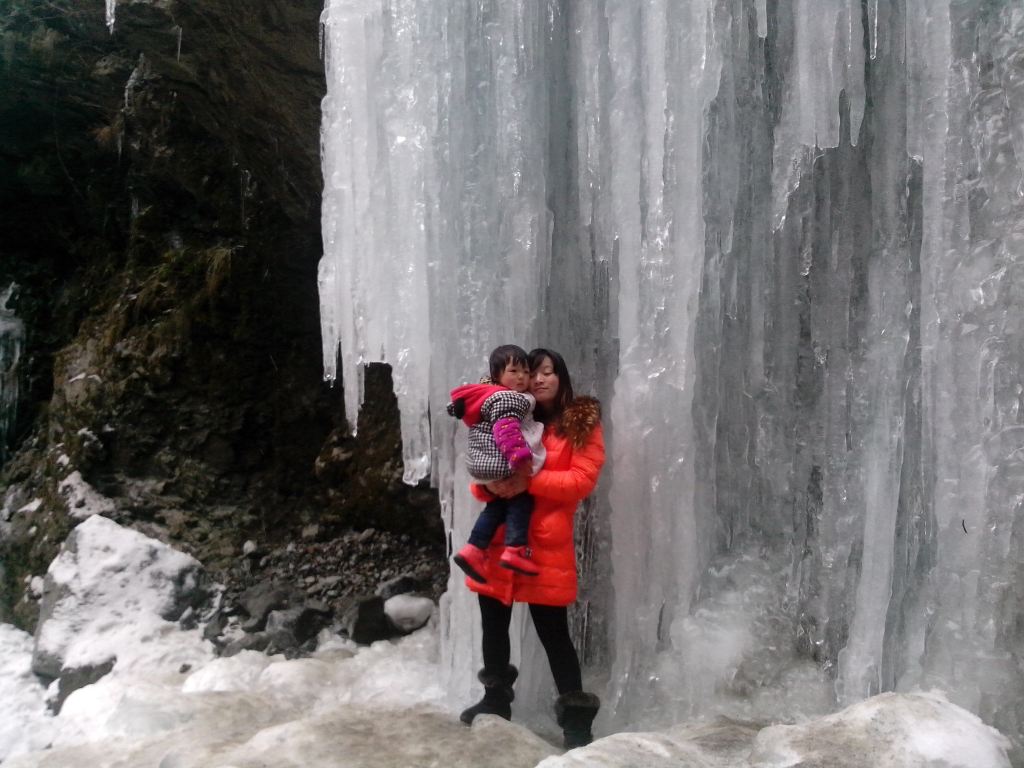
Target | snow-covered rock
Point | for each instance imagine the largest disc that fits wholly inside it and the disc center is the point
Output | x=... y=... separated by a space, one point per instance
x=111 y=590
x=890 y=730
x=921 y=730
x=408 y=612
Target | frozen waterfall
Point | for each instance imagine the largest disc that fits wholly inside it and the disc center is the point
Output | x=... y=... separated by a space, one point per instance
x=782 y=242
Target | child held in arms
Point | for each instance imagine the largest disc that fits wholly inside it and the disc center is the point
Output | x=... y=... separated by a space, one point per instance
x=504 y=440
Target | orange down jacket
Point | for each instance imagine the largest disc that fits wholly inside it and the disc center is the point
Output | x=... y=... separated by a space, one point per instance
x=573 y=463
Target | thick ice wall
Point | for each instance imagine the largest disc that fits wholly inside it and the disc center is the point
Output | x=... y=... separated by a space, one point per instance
x=888 y=376
x=784 y=253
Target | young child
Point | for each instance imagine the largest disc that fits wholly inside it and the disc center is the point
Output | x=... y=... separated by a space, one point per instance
x=503 y=440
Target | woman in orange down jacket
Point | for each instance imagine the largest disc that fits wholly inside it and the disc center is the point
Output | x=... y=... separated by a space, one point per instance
x=575 y=453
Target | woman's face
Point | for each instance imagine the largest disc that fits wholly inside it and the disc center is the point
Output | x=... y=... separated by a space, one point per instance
x=544 y=382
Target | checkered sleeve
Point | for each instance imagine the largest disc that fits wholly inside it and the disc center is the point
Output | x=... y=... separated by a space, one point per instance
x=483 y=458
x=505 y=404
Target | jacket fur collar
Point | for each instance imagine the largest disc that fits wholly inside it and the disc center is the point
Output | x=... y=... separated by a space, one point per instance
x=579 y=419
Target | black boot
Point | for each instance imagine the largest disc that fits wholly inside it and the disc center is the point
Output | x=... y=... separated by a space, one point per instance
x=498 y=695
x=575 y=712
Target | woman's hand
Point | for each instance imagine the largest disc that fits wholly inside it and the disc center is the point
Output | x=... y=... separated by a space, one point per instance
x=509 y=487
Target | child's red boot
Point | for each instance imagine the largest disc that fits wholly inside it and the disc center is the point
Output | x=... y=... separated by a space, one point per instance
x=518 y=559
x=473 y=561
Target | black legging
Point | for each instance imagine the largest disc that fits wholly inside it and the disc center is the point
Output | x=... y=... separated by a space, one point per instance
x=552 y=624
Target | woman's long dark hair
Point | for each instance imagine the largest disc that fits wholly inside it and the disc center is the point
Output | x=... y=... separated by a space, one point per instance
x=565 y=394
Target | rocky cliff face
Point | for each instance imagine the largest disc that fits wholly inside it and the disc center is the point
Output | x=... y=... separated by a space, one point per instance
x=159 y=213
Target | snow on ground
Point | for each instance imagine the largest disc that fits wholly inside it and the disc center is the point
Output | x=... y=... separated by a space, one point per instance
x=170 y=703
x=381 y=707
x=23 y=718
x=921 y=730
x=887 y=731
x=375 y=706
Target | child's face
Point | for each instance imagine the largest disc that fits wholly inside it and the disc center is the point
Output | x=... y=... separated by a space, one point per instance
x=516 y=377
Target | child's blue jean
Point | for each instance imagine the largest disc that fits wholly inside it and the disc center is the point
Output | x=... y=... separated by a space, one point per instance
x=514 y=513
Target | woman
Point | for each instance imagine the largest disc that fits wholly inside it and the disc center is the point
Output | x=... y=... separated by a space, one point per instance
x=575 y=453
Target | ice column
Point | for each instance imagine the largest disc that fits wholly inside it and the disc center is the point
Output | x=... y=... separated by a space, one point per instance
x=664 y=71
x=12 y=339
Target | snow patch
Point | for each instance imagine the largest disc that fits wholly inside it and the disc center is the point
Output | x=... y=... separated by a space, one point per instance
x=887 y=731
x=31 y=507
x=82 y=499
x=111 y=593
x=22 y=697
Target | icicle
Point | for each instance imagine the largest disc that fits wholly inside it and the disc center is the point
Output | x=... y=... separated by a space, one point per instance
x=138 y=73
x=111 y=8
x=827 y=60
x=762 y=18
x=873 y=26
x=246 y=189
x=321 y=36
x=12 y=338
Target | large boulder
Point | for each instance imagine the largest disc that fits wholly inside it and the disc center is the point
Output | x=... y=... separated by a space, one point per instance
x=109 y=589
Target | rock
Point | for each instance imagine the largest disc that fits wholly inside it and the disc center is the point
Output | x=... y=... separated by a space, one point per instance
x=366 y=535
x=326 y=583
x=79 y=677
x=215 y=626
x=107 y=574
x=280 y=631
x=300 y=623
x=408 y=613
x=365 y=621
x=399 y=585
x=254 y=642
x=260 y=600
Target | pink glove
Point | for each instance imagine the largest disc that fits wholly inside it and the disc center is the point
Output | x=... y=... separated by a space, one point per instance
x=509 y=439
